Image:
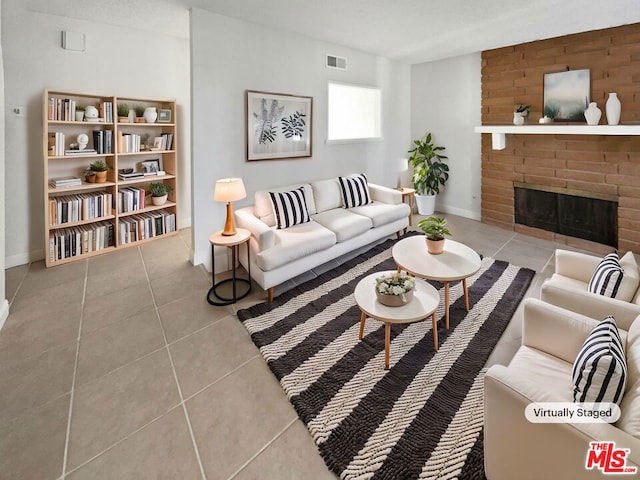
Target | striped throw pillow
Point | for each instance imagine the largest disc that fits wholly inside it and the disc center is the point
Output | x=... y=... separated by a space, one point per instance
x=290 y=208
x=607 y=278
x=355 y=191
x=600 y=370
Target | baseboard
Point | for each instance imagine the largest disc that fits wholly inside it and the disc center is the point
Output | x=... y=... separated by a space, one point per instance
x=4 y=312
x=23 y=258
x=459 y=211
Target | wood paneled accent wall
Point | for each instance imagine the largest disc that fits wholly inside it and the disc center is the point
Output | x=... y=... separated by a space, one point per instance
x=597 y=164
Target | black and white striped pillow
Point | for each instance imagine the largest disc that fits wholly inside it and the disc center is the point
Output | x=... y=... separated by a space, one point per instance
x=607 y=278
x=355 y=191
x=290 y=208
x=600 y=370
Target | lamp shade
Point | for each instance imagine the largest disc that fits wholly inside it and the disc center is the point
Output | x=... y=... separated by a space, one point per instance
x=229 y=190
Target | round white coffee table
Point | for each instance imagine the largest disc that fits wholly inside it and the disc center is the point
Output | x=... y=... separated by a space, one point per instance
x=456 y=262
x=424 y=304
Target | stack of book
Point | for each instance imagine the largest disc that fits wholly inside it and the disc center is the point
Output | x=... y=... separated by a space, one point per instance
x=84 y=151
x=65 y=182
x=129 y=176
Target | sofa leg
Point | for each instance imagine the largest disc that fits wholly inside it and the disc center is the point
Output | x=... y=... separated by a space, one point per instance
x=270 y=294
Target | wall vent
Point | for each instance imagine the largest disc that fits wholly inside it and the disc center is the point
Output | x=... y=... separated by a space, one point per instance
x=339 y=63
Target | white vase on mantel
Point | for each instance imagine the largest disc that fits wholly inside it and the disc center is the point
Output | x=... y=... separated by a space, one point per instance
x=613 y=108
x=518 y=118
x=592 y=114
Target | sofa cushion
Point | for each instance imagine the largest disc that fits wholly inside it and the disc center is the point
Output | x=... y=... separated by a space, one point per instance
x=326 y=194
x=543 y=372
x=263 y=208
x=630 y=407
x=290 y=208
x=383 y=213
x=293 y=243
x=630 y=279
x=355 y=191
x=600 y=371
x=607 y=277
x=343 y=223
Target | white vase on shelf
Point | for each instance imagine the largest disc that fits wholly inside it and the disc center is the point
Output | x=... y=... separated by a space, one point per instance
x=150 y=114
x=518 y=118
x=613 y=108
x=592 y=114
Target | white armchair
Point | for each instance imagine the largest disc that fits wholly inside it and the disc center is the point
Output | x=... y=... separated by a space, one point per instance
x=541 y=372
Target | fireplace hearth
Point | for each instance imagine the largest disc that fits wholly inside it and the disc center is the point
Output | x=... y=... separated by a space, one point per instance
x=571 y=213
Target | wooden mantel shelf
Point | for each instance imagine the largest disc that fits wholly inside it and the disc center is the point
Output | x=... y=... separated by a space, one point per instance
x=498 y=131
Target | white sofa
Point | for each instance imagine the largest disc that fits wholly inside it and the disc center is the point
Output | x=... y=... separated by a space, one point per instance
x=541 y=372
x=278 y=255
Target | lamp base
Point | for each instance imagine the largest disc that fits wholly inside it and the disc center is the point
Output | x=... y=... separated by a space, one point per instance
x=229 y=224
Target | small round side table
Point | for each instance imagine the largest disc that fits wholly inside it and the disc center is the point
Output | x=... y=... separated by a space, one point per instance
x=233 y=242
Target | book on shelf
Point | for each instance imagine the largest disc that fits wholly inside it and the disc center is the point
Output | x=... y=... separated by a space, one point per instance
x=65 y=182
x=84 y=151
x=129 y=176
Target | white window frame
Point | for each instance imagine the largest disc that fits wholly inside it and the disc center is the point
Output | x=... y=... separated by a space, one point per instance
x=377 y=138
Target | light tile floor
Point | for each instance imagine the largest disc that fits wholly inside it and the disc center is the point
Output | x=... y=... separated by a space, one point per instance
x=117 y=367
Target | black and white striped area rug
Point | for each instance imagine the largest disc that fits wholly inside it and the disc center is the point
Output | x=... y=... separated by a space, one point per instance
x=422 y=418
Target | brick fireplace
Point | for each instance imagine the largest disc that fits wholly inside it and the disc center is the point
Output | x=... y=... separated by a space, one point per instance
x=598 y=166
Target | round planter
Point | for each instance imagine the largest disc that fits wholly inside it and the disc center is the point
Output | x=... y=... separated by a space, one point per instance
x=518 y=118
x=435 y=247
x=159 y=200
x=150 y=114
x=426 y=204
x=79 y=116
x=90 y=178
x=101 y=177
x=395 y=300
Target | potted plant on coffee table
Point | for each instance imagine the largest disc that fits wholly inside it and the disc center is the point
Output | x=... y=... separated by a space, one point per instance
x=435 y=229
x=100 y=168
x=159 y=192
x=429 y=173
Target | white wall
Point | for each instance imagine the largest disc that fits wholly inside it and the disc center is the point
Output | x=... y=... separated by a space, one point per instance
x=230 y=56
x=120 y=59
x=446 y=101
x=4 y=304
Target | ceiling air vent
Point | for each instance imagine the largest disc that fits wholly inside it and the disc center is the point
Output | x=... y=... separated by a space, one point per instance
x=339 y=63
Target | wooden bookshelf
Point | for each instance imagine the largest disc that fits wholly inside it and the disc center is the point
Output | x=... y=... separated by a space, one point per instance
x=78 y=237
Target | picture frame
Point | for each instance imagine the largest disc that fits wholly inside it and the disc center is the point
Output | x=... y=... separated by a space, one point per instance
x=157 y=143
x=567 y=94
x=164 y=116
x=150 y=167
x=278 y=126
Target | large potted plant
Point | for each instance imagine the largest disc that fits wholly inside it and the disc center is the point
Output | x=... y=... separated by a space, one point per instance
x=429 y=173
x=435 y=229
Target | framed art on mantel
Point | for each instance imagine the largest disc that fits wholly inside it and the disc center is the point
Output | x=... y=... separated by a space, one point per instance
x=278 y=126
x=567 y=94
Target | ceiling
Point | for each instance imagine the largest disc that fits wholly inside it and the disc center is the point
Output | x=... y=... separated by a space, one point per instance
x=410 y=31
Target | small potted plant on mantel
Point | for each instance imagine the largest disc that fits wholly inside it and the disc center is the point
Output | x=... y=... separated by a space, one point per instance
x=159 y=192
x=435 y=229
x=100 y=170
x=520 y=112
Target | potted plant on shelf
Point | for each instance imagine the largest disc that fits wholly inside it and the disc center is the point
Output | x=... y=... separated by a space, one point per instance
x=79 y=113
x=100 y=168
x=89 y=175
x=429 y=173
x=520 y=112
x=435 y=229
x=123 y=113
x=159 y=192
x=139 y=109
x=395 y=290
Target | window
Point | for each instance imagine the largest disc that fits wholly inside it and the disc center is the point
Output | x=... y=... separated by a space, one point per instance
x=354 y=112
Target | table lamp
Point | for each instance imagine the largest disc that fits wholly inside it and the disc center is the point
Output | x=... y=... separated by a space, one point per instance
x=229 y=190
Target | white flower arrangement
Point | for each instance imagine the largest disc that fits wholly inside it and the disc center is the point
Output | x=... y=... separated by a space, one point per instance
x=396 y=284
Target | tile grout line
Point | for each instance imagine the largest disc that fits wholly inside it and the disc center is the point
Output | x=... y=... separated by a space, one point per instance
x=175 y=375
x=75 y=372
x=495 y=255
x=264 y=447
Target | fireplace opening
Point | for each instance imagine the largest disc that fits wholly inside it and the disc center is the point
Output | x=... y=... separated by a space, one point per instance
x=580 y=216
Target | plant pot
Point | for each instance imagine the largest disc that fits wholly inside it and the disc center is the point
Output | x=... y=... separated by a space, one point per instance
x=435 y=247
x=101 y=177
x=395 y=300
x=140 y=120
x=123 y=119
x=79 y=116
x=426 y=204
x=518 y=118
x=90 y=178
x=159 y=200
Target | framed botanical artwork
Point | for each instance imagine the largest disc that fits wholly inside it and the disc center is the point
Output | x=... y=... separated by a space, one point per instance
x=567 y=94
x=164 y=116
x=278 y=126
